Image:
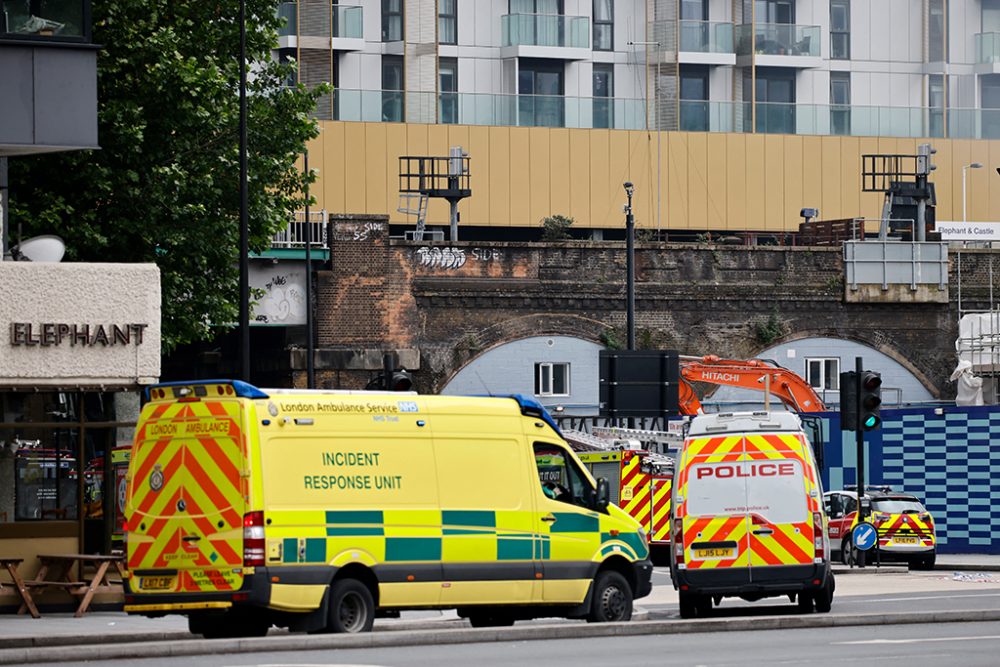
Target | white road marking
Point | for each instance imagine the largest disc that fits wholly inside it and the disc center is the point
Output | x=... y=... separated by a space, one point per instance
x=917 y=640
x=944 y=594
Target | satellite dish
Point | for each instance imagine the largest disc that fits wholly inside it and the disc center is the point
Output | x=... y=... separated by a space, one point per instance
x=47 y=248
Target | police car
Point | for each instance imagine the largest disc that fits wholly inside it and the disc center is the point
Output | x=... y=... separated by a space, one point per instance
x=905 y=527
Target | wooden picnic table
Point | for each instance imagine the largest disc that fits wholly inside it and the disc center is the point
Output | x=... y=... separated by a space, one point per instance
x=57 y=571
x=11 y=565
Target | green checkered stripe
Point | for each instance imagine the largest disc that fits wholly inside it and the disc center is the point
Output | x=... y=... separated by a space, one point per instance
x=510 y=544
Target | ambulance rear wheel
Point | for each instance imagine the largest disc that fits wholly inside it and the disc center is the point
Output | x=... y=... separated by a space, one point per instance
x=351 y=607
x=703 y=603
x=805 y=602
x=612 y=599
x=688 y=603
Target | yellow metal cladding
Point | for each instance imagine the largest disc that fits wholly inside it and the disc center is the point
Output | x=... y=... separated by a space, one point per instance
x=708 y=180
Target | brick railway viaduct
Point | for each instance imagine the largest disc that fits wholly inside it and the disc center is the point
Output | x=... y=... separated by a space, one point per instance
x=440 y=305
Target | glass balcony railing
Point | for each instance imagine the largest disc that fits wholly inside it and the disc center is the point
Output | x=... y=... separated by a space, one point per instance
x=704 y=116
x=987 y=47
x=706 y=37
x=487 y=109
x=545 y=30
x=390 y=106
x=68 y=20
x=778 y=39
x=289 y=12
x=347 y=21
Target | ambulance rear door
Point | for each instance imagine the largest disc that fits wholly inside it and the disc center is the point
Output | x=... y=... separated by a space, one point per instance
x=187 y=492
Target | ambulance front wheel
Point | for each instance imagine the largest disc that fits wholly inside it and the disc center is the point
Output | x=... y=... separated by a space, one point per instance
x=351 y=607
x=612 y=599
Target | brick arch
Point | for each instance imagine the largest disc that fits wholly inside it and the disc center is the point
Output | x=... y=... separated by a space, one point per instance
x=520 y=328
x=870 y=339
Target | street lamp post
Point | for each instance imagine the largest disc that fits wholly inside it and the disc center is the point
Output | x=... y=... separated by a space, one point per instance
x=974 y=165
x=629 y=267
x=244 y=206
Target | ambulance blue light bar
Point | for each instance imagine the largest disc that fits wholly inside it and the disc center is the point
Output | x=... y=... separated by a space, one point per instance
x=240 y=388
x=533 y=408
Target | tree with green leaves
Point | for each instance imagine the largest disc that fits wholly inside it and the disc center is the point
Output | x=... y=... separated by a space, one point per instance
x=164 y=187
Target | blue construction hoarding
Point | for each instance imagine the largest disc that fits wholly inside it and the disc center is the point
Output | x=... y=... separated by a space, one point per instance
x=948 y=456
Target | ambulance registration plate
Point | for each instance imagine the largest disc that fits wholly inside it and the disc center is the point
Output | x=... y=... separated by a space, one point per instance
x=905 y=540
x=709 y=554
x=156 y=583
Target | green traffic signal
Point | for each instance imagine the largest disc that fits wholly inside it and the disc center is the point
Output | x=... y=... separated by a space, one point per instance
x=870 y=400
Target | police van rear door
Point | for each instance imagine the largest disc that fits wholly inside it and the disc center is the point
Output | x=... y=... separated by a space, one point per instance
x=780 y=523
x=714 y=507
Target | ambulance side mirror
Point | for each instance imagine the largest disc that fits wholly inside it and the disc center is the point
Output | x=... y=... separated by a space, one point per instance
x=603 y=495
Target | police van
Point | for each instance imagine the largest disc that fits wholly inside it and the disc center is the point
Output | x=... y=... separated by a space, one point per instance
x=747 y=514
x=317 y=511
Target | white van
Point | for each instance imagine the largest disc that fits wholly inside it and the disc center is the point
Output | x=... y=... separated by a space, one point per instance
x=747 y=514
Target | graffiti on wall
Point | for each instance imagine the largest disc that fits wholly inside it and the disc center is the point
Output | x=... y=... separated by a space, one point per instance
x=356 y=231
x=455 y=258
x=282 y=293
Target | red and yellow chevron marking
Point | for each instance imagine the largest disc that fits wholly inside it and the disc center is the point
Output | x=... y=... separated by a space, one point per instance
x=716 y=529
x=635 y=490
x=660 y=530
x=908 y=525
x=199 y=450
x=788 y=544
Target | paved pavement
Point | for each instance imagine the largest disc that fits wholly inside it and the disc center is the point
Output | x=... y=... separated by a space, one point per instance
x=62 y=629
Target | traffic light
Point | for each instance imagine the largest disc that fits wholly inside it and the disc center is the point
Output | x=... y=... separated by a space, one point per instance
x=849 y=401
x=869 y=400
x=401 y=381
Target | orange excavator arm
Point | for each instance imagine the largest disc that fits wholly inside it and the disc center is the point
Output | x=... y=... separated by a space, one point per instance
x=755 y=374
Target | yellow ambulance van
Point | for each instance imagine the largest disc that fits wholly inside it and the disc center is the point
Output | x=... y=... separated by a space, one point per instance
x=747 y=514
x=318 y=511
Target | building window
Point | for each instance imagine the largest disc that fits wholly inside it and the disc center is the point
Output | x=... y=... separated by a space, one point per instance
x=540 y=93
x=840 y=29
x=392 y=20
x=694 y=98
x=990 y=97
x=840 y=103
x=775 y=96
x=823 y=374
x=935 y=102
x=392 y=89
x=775 y=11
x=552 y=379
x=694 y=10
x=63 y=456
x=448 y=22
x=937 y=36
x=448 y=89
x=604 y=91
x=604 y=25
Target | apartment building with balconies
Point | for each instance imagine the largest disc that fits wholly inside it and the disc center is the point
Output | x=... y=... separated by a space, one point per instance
x=907 y=70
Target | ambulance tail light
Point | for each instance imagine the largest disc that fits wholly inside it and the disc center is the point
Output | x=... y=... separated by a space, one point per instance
x=819 y=542
x=253 y=539
x=678 y=540
x=880 y=517
x=125 y=532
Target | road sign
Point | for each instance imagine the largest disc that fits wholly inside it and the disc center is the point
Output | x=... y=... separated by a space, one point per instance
x=864 y=535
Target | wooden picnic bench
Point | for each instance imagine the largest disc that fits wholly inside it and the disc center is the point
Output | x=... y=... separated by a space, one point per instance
x=11 y=565
x=57 y=571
